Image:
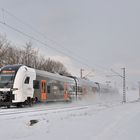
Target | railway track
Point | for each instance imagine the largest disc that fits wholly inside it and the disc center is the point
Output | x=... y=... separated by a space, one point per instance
x=46 y=109
x=40 y=111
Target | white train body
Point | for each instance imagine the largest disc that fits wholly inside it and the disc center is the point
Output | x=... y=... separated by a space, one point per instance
x=24 y=84
x=16 y=84
x=20 y=84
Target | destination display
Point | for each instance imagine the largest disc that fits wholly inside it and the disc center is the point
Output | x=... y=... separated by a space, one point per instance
x=8 y=72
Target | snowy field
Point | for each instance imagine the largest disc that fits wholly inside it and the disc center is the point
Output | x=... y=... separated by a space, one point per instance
x=100 y=119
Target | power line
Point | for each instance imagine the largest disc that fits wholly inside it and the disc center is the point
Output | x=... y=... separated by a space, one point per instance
x=3 y=15
x=33 y=38
x=42 y=42
x=40 y=33
x=36 y=31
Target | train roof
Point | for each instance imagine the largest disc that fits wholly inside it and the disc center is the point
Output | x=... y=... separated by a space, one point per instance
x=53 y=76
x=85 y=82
x=50 y=75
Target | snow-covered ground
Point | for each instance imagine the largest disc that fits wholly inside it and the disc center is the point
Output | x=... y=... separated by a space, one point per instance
x=103 y=119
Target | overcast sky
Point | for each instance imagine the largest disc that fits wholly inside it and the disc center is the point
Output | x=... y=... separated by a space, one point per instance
x=104 y=34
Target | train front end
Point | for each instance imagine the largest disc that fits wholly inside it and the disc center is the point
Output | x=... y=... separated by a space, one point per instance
x=16 y=84
x=7 y=77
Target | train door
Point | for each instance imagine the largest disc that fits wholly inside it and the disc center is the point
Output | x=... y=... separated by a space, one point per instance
x=66 y=96
x=43 y=90
x=27 y=88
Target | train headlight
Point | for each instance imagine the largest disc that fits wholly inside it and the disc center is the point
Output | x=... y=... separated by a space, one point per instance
x=13 y=89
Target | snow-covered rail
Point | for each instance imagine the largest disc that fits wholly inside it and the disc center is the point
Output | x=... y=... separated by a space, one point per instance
x=58 y=108
x=40 y=110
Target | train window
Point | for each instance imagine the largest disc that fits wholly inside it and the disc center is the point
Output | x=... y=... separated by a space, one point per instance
x=79 y=89
x=61 y=88
x=74 y=88
x=48 y=89
x=36 y=84
x=27 y=80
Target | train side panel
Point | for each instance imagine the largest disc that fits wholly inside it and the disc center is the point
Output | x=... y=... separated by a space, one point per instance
x=24 y=84
x=56 y=88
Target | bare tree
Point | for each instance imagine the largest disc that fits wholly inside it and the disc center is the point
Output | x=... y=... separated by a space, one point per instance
x=28 y=55
x=4 y=44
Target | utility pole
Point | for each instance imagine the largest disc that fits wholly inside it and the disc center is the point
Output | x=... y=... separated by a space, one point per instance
x=124 y=88
x=81 y=73
x=139 y=89
x=124 y=82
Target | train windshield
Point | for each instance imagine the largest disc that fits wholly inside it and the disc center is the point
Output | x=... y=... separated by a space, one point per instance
x=7 y=78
